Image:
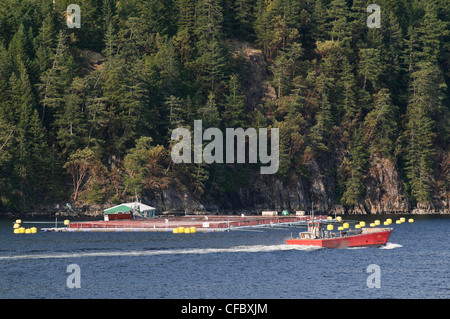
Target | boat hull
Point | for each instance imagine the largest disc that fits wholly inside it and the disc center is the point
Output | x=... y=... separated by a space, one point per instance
x=374 y=238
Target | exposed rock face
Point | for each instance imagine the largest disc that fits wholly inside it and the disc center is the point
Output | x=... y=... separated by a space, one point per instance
x=384 y=189
x=176 y=198
x=90 y=60
x=257 y=88
x=384 y=192
x=268 y=193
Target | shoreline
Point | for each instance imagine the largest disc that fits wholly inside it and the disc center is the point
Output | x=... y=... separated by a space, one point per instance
x=86 y=215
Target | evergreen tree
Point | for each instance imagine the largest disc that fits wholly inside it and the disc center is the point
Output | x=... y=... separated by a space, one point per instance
x=167 y=61
x=425 y=101
x=110 y=43
x=108 y=11
x=96 y=115
x=411 y=52
x=369 y=67
x=430 y=33
x=123 y=92
x=8 y=178
x=338 y=14
x=392 y=48
x=135 y=165
x=245 y=17
x=208 y=25
x=31 y=157
x=234 y=109
x=211 y=59
x=284 y=68
x=94 y=22
x=357 y=165
x=212 y=63
x=56 y=80
x=381 y=125
x=276 y=26
x=209 y=113
x=324 y=122
x=6 y=111
x=70 y=121
x=44 y=43
x=349 y=103
x=319 y=19
x=357 y=17
x=177 y=115
x=159 y=16
x=20 y=49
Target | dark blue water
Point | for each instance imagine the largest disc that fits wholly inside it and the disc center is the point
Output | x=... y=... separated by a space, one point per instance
x=237 y=264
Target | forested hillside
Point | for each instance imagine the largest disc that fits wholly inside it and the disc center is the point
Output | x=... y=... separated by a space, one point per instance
x=86 y=114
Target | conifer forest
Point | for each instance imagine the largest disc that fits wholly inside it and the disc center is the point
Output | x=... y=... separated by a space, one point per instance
x=87 y=112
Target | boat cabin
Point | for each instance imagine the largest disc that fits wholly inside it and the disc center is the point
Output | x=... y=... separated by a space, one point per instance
x=315 y=230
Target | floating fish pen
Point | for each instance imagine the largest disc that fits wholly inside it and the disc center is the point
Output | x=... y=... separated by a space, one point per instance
x=195 y=223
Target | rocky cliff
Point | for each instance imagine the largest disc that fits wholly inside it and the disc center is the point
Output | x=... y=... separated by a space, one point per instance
x=385 y=194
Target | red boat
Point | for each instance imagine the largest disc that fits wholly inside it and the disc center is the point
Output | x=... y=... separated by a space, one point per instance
x=318 y=236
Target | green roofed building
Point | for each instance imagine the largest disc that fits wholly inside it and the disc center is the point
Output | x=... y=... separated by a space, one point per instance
x=122 y=208
x=133 y=210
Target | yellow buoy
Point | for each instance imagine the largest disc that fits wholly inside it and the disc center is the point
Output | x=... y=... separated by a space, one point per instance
x=411 y=220
x=346 y=225
x=398 y=222
x=330 y=227
x=16 y=231
x=402 y=219
x=372 y=224
x=16 y=226
x=377 y=222
x=175 y=230
x=340 y=228
x=358 y=226
x=339 y=218
x=386 y=223
x=329 y=217
x=22 y=230
x=18 y=221
x=193 y=230
x=363 y=224
x=187 y=230
x=389 y=220
x=33 y=230
x=181 y=230
x=28 y=231
x=66 y=222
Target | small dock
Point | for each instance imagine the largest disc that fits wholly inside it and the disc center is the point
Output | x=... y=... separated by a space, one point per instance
x=201 y=223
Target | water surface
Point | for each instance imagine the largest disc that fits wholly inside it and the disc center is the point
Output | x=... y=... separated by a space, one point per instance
x=237 y=264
